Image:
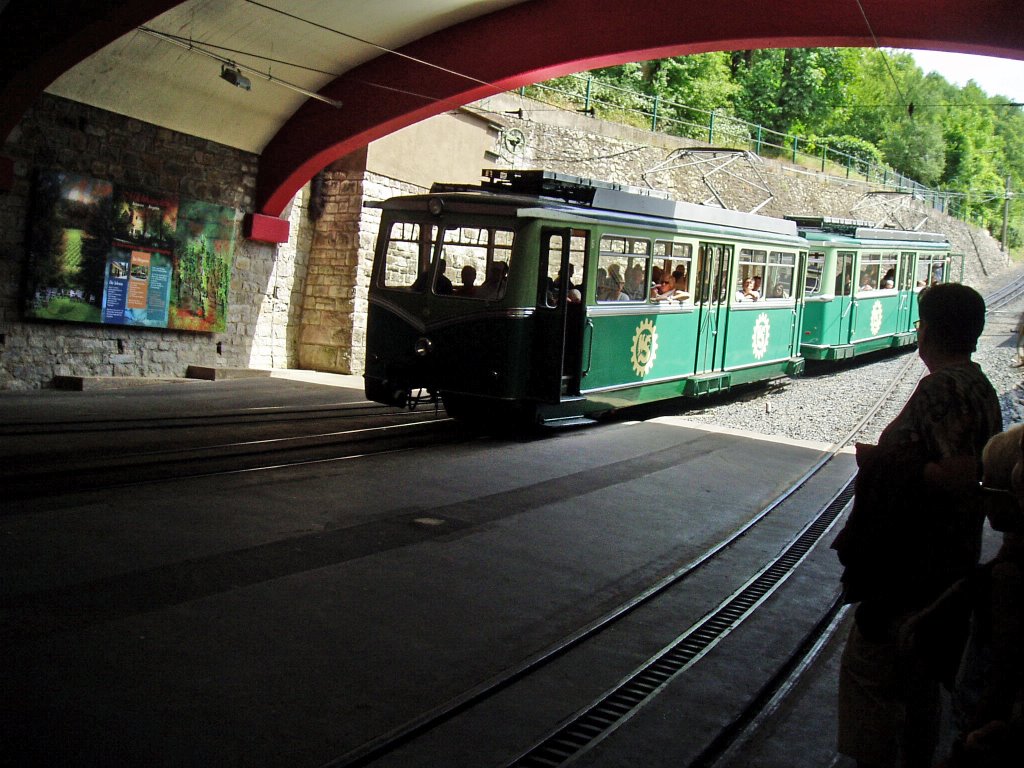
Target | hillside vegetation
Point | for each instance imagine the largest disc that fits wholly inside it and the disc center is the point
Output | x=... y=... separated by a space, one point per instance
x=881 y=108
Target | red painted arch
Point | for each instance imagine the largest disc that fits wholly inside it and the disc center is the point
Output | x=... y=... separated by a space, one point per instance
x=522 y=44
x=40 y=41
x=537 y=40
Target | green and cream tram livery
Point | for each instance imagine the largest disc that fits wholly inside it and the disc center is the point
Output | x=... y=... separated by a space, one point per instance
x=862 y=285
x=548 y=298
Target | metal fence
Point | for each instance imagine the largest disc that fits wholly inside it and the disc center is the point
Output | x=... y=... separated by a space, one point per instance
x=726 y=131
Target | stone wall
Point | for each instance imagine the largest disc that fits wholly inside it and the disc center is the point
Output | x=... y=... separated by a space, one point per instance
x=334 y=320
x=688 y=170
x=303 y=304
x=64 y=135
x=333 y=325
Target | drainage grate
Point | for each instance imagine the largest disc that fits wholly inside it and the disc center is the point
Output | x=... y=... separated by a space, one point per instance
x=603 y=717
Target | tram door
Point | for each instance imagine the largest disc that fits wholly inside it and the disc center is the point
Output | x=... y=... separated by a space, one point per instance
x=905 y=286
x=711 y=303
x=557 y=334
x=842 y=322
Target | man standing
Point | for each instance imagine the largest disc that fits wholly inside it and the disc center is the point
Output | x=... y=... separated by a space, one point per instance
x=915 y=529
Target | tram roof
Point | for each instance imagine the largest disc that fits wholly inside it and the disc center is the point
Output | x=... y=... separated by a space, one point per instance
x=570 y=195
x=851 y=231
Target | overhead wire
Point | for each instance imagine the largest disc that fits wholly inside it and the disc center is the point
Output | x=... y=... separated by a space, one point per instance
x=190 y=45
x=382 y=48
x=885 y=59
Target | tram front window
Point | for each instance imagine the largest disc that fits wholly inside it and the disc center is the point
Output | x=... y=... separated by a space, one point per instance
x=477 y=260
x=473 y=262
x=406 y=254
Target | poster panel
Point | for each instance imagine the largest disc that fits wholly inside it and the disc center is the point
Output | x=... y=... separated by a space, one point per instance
x=99 y=253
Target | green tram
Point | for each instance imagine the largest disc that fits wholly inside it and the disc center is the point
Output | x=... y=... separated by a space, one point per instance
x=862 y=285
x=551 y=298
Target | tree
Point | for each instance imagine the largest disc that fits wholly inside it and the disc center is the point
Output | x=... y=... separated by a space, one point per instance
x=916 y=148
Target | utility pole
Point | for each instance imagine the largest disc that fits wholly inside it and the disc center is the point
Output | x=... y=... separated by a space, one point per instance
x=1006 y=212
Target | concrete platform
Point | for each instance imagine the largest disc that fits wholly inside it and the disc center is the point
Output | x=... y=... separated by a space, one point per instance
x=285 y=618
x=205 y=373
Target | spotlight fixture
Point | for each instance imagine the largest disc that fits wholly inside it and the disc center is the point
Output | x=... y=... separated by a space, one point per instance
x=235 y=77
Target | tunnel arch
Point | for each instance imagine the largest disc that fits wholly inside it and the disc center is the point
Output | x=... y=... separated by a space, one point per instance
x=535 y=41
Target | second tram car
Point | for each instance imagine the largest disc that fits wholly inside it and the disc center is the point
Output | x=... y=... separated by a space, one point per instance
x=862 y=285
x=550 y=298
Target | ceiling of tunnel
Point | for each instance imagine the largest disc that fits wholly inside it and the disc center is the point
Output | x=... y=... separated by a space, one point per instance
x=161 y=60
x=168 y=71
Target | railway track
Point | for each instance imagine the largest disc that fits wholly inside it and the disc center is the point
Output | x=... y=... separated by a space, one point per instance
x=110 y=453
x=589 y=725
x=568 y=737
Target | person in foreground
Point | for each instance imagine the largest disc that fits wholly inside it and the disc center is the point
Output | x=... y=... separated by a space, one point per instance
x=914 y=530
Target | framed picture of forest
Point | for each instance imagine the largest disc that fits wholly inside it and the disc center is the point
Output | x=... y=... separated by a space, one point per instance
x=99 y=253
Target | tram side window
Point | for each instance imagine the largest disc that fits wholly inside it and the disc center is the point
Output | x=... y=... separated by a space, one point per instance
x=815 y=270
x=675 y=259
x=407 y=255
x=780 y=275
x=751 y=281
x=844 y=273
x=476 y=262
x=877 y=272
x=931 y=269
x=552 y=272
x=622 y=269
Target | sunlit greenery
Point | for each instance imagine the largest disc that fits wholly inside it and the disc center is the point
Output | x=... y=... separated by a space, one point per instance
x=877 y=107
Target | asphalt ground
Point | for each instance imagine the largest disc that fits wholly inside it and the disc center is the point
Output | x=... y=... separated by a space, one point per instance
x=144 y=626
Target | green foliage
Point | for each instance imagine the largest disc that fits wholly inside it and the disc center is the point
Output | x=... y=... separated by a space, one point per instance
x=880 y=108
x=780 y=88
x=916 y=149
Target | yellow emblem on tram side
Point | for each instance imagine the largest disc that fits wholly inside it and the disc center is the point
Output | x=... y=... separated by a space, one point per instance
x=762 y=332
x=645 y=348
x=876 y=317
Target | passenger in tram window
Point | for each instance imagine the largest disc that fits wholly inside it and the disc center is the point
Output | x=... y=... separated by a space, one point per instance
x=468 y=279
x=635 y=282
x=665 y=290
x=889 y=279
x=914 y=530
x=656 y=274
x=617 y=284
x=755 y=288
x=682 y=274
x=779 y=292
x=681 y=284
x=558 y=278
x=865 y=282
x=493 y=286
x=601 y=289
x=443 y=286
x=746 y=290
x=420 y=284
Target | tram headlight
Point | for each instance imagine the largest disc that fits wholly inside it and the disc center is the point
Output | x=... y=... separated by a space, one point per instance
x=435 y=205
x=423 y=346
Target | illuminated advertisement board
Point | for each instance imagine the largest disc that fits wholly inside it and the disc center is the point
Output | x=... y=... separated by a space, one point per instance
x=98 y=253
